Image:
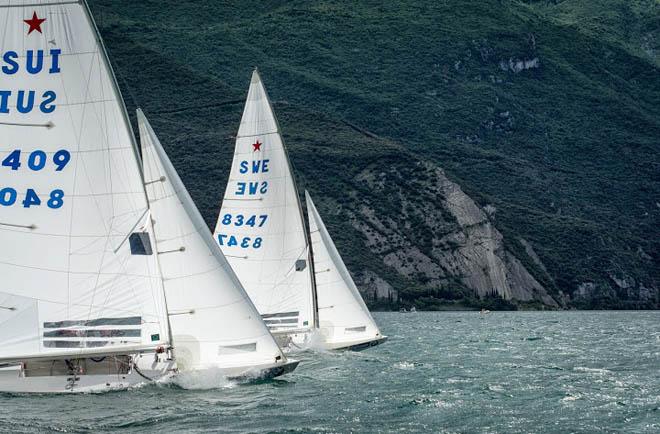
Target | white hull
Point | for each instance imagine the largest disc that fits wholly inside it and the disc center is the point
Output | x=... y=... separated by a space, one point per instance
x=356 y=345
x=311 y=339
x=104 y=374
x=262 y=372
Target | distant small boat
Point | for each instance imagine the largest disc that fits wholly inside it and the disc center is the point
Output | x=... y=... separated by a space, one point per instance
x=404 y=310
x=484 y=311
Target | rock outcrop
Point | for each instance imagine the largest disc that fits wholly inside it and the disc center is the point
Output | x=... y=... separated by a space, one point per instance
x=443 y=237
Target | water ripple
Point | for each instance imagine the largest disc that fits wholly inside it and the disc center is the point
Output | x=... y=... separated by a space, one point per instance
x=440 y=372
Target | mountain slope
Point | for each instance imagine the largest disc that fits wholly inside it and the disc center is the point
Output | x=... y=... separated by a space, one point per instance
x=546 y=115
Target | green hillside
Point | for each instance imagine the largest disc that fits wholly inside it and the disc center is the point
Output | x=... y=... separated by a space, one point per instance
x=546 y=112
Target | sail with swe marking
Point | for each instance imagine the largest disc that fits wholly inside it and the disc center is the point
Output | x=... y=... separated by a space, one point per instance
x=213 y=321
x=344 y=319
x=260 y=228
x=76 y=245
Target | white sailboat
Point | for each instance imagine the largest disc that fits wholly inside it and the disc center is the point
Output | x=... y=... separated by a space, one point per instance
x=344 y=319
x=81 y=296
x=214 y=324
x=262 y=232
x=261 y=229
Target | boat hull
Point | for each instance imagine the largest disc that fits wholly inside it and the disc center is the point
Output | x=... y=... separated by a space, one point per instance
x=356 y=345
x=265 y=372
x=311 y=340
x=213 y=377
x=22 y=378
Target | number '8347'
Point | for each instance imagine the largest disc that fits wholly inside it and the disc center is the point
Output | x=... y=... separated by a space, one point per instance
x=240 y=220
x=9 y=197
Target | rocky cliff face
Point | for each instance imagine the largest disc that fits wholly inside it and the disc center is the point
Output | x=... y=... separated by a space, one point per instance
x=443 y=237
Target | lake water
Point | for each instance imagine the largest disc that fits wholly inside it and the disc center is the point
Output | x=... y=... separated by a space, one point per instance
x=505 y=372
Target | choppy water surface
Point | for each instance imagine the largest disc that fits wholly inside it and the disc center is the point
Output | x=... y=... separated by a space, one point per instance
x=440 y=372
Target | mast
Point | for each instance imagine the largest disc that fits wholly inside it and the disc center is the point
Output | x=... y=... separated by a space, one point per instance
x=310 y=260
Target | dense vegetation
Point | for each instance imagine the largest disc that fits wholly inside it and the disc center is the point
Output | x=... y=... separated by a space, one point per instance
x=548 y=111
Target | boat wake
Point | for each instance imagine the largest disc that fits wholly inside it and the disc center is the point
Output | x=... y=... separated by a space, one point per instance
x=314 y=344
x=205 y=379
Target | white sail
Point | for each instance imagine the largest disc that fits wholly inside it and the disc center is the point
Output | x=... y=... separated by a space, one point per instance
x=260 y=228
x=344 y=319
x=78 y=272
x=213 y=321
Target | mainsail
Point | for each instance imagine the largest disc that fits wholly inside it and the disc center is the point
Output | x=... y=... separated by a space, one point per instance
x=213 y=321
x=79 y=271
x=343 y=316
x=260 y=228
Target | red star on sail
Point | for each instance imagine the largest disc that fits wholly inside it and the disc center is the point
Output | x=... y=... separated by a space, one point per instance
x=35 y=23
x=257 y=146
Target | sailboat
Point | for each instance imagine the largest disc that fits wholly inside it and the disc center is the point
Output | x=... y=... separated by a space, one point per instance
x=344 y=319
x=213 y=322
x=262 y=232
x=81 y=298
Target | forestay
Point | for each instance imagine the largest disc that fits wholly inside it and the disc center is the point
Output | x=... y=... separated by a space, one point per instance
x=260 y=228
x=78 y=272
x=213 y=321
x=343 y=315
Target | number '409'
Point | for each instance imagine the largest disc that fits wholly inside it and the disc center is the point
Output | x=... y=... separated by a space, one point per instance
x=37 y=160
x=9 y=196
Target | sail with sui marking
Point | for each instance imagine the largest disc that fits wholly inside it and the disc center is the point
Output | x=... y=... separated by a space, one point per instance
x=79 y=274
